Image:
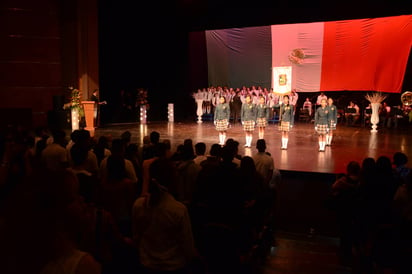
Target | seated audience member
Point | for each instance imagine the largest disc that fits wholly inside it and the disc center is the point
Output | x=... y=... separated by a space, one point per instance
x=161 y=225
x=352 y=113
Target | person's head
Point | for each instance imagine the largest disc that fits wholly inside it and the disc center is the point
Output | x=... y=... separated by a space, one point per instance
x=126 y=136
x=59 y=137
x=323 y=103
x=261 y=100
x=384 y=165
x=78 y=154
x=95 y=92
x=248 y=98
x=353 y=168
x=103 y=142
x=215 y=150
x=75 y=135
x=146 y=140
x=228 y=153
x=400 y=159
x=261 y=145
x=222 y=99
x=200 y=148
x=247 y=163
x=118 y=148
x=154 y=137
x=286 y=99
x=330 y=101
x=307 y=99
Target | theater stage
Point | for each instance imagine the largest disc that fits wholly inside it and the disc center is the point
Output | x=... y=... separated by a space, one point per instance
x=349 y=143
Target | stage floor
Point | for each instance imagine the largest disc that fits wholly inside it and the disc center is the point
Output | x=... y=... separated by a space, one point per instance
x=349 y=143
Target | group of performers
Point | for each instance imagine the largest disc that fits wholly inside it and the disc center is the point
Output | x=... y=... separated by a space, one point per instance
x=257 y=115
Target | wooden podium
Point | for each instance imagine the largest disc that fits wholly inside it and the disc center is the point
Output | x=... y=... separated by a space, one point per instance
x=89 y=109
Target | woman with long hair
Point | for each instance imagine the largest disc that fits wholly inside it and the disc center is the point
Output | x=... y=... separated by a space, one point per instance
x=248 y=118
x=322 y=124
x=221 y=119
x=262 y=116
x=333 y=118
x=286 y=119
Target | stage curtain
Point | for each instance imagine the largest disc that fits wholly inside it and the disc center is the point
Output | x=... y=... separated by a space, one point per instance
x=239 y=57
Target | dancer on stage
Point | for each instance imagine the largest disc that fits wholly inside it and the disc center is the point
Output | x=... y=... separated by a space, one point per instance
x=333 y=119
x=248 y=118
x=322 y=123
x=263 y=113
x=221 y=119
x=286 y=119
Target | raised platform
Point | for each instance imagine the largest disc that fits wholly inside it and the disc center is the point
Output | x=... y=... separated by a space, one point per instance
x=349 y=143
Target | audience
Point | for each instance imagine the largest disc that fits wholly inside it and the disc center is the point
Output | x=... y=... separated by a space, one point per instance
x=110 y=207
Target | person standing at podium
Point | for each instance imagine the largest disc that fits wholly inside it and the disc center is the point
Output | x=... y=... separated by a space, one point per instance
x=95 y=97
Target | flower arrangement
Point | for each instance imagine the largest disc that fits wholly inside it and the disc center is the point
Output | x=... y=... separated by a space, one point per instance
x=296 y=56
x=375 y=97
x=75 y=99
x=142 y=98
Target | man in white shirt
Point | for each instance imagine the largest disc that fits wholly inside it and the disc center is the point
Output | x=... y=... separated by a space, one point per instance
x=263 y=161
x=308 y=105
x=54 y=156
x=321 y=96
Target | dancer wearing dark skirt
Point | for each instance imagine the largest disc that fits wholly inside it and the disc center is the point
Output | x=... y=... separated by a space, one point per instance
x=248 y=118
x=322 y=124
x=221 y=119
x=333 y=119
x=286 y=119
x=262 y=113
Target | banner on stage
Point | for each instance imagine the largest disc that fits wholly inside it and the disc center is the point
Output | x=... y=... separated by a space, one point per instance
x=282 y=79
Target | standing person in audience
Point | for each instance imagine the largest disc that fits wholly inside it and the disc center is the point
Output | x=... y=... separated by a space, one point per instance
x=263 y=113
x=54 y=156
x=200 y=150
x=322 y=124
x=333 y=118
x=264 y=161
x=161 y=225
x=221 y=119
x=248 y=118
x=286 y=120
